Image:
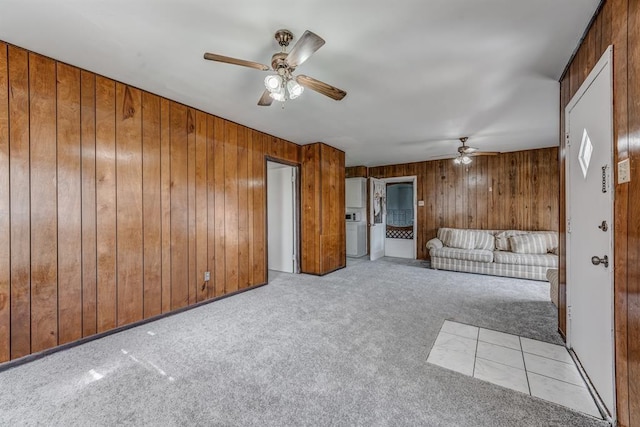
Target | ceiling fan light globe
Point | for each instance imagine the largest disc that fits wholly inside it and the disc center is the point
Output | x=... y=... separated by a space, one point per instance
x=273 y=83
x=465 y=160
x=294 y=88
x=278 y=94
x=456 y=161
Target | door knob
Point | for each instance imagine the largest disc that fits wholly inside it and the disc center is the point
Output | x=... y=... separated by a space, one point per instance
x=603 y=226
x=597 y=261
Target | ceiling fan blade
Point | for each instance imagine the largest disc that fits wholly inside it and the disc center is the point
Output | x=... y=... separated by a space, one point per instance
x=484 y=153
x=443 y=157
x=234 y=61
x=321 y=87
x=265 y=99
x=468 y=150
x=304 y=48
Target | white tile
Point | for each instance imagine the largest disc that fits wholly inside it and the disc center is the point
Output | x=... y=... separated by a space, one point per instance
x=452 y=342
x=545 y=349
x=499 y=338
x=502 y=375
x=504 y=355
x=552 y=368
x=455 y=360
x=460 y=329
x=569 y=395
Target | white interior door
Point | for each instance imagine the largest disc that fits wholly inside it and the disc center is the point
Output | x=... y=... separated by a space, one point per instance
x=590 y=229
x=281 y=217
x=377 y=218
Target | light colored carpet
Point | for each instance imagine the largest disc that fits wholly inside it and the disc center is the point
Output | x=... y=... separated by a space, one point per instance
x=349 y=348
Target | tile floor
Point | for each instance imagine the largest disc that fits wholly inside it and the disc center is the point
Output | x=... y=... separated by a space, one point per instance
x=540 y=369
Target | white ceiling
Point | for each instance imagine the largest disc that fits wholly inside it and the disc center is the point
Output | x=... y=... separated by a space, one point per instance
x=419 y=73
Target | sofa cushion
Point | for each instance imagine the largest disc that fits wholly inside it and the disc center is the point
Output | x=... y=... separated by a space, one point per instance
x=502 y=239
x=444 y=234
x=551 y=238
x=528 y=244
x=485 y=241
x=463 y=254
x=541 y=260
x=461 y=239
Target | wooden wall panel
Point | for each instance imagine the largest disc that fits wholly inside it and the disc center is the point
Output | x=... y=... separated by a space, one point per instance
x=231 y=206
x=492 y=193
x=323 y=240
x=20 y=203
x=106 y=203
x=243 y=209
x=211 y=206
x=137 y=196
x=310 y=184
x=44 y=242
x=633 y=209
x=151 y=205
x=191 y=204
x=165 y=201
x=129 y=204
x=5 y=225
x=201 y=206
x=357 y=172
x=179 y=208
x=88 y=182
x=617 y=12
x=69 y=205
x=259 y=184
x=219 y=191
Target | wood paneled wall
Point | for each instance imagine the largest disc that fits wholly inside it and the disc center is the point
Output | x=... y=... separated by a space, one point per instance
x=617 y=24
x=323 y=208
x=517 y=190
x=357 y=172
x=115 y=201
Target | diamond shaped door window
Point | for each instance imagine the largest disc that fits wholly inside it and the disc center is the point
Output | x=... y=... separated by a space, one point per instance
x=584 y=156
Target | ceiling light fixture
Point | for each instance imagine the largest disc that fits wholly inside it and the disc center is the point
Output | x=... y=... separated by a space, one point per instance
x=283 y=87
x=462 y=159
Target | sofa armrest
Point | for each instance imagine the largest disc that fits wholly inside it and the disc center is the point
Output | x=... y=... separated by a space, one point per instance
x=434 y=243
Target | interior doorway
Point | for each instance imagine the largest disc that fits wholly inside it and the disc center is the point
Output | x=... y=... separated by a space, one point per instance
x=282 y=217
x=392 y=225
x=400 y=229
x=589 y=159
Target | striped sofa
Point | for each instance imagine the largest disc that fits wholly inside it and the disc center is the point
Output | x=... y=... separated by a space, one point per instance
x=512 y=253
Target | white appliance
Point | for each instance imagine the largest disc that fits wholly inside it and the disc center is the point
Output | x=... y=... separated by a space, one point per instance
x=353 y=216
x=356 y=239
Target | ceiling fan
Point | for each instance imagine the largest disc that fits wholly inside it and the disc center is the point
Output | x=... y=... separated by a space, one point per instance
x=284 y=85
x=465 y=152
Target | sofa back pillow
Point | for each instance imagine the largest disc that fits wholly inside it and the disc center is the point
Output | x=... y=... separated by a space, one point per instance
x=551 y=238
x=462 y=239
x=485 y=241
x=444 y=234
x=502 y=239
x=533 y=243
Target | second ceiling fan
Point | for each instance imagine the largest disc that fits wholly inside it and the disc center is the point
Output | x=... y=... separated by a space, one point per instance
x=465 y=153
x=284 y=85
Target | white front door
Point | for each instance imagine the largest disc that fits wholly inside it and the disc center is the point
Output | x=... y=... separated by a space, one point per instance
x=377 y=218
x=590 y=229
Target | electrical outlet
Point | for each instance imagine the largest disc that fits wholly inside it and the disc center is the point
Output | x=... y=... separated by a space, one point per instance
x=207 y=276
